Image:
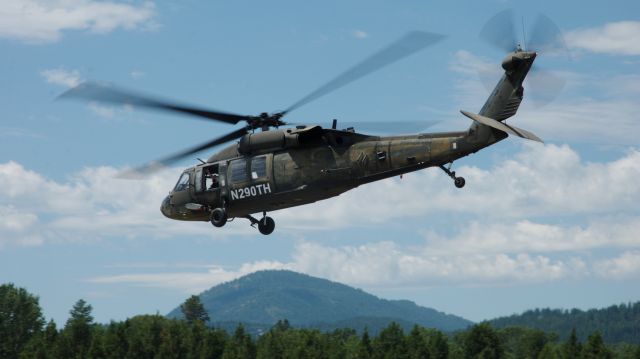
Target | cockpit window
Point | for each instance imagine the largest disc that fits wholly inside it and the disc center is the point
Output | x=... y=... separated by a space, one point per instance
x=183 y=182
x=238 y=171
x=258 y=167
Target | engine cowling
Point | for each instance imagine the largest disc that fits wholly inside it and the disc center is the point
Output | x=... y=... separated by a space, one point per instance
x=267 y=140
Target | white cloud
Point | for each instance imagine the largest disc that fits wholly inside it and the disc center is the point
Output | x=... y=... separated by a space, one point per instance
x=359 y=34
x=39 y=21
x=102 y=111
x=72 y=78
x=386 y=263
x=625 y=266
x=18 y=132
x=62 y=77
x=525 y=236
x=188 y=282
x=136 y=74
x=377 y=264
x=616 y=38
x=540 y=180
x=90 y=205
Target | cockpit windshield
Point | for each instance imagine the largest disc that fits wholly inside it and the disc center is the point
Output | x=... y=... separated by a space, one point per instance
x=183 y=182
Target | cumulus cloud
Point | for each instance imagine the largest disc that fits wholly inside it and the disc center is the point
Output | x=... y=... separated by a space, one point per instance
x=62 y=77
x=385 y=263
x=525 y=236
x=616 y=38
x=72 y=78
x=90 y=205
x=538 y=181
x=377 y=264
x=625 y=266
x=359 y=34
x=38 y=21
x=188 y=282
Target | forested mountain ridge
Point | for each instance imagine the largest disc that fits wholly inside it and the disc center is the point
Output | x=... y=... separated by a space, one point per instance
x=268 y=296
x=23 y=334
x=617 y=323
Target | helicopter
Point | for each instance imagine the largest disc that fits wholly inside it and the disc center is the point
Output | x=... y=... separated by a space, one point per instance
x=286 y=165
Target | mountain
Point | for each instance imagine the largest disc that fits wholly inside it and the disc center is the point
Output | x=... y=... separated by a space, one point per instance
x=265 y=297
x=617 y=323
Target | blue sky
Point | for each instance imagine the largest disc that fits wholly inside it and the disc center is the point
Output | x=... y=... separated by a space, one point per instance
x=551 y=225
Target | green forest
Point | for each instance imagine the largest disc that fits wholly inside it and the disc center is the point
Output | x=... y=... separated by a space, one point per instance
x=24 y=333
x=617 y=323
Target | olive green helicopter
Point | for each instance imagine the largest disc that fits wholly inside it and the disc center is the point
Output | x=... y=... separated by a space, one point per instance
x=286 y=165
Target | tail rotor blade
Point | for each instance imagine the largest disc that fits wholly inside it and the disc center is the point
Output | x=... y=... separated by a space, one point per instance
x=546 y=37
x=546 y=86
x=500 y=31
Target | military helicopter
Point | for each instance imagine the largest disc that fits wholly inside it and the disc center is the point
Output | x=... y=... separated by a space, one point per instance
x=283 y=166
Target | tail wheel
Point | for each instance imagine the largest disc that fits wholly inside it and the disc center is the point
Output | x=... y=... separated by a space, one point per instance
x=218 y=217
x=459 y=182
x=266 y=225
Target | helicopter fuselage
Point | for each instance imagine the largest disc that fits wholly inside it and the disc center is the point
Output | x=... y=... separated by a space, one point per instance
x=319 y=164
x=283 y=168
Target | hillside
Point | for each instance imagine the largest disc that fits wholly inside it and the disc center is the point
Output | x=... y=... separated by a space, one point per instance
x=267 y=296
x=617 y=323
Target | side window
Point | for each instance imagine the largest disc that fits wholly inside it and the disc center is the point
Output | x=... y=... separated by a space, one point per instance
x=258 y=167
x=238 y=171
x=183 y=182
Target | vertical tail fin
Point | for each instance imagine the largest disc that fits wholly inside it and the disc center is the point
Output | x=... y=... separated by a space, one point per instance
x=506 y=97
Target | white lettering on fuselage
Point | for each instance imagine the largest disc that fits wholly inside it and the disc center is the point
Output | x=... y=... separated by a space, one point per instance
x=251 y=191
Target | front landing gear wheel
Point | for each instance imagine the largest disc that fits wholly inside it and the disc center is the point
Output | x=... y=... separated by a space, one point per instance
x=459 y=182
x=218 y=217
x=266 y=225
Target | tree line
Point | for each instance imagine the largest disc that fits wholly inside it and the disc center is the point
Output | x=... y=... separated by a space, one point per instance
x=24 y=333
x=617 y=323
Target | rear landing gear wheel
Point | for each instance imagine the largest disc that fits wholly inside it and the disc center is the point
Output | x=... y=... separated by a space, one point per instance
x=458 y=181
x=266 y=225
x=218 y=217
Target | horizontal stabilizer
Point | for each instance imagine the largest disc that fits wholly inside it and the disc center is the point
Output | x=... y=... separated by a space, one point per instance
x=502 y=126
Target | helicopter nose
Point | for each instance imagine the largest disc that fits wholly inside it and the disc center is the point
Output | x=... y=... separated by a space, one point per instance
x=165 y=208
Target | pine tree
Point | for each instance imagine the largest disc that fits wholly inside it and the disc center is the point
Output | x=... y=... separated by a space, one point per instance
x=417 y=346
x=364 y=349
x=549 y=351
x=78 y=329
x=20 y=319
x=595 y=348
x=240 y=346
x=193 y=310
x=482 y=342
x=438 y=345
x=390 y=342
x=572 y=347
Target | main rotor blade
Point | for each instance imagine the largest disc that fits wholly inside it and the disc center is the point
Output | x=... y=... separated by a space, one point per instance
x=500 y=31
x=405 y=46
x=107 y=94
x=155 y=165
